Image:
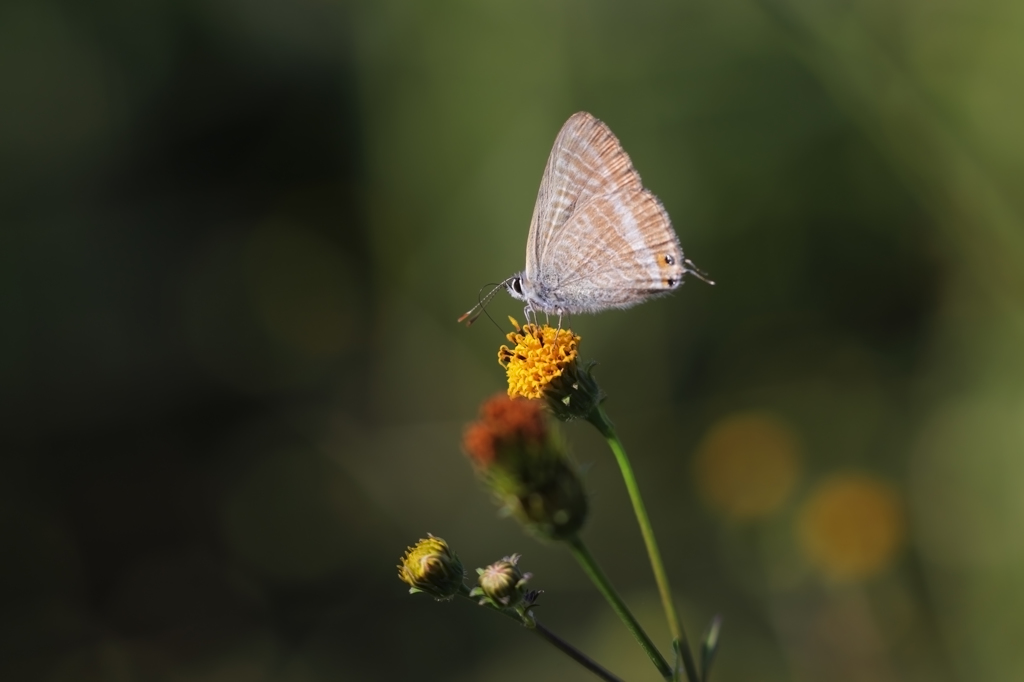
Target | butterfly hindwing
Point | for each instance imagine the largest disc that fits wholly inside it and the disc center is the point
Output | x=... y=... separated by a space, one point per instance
x=616 y=250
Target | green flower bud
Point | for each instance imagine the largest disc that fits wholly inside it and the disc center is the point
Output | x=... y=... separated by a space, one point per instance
x=519 y=455
x=554 y=508
x=430 y=566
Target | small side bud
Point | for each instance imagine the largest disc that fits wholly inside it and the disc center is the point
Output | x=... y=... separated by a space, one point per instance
x=502 y=584
x=430 y=566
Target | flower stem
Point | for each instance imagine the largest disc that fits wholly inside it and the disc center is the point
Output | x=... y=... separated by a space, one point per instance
x=553 y=639
x=600 y=420
x=597 y=576
x=575 y=654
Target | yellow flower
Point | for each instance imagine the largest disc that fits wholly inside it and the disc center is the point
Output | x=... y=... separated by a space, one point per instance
x=541 y=354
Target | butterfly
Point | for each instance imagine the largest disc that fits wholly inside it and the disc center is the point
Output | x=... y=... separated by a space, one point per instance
x=598 y=239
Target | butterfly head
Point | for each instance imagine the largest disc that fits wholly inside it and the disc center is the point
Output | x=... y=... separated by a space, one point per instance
x=514 y=284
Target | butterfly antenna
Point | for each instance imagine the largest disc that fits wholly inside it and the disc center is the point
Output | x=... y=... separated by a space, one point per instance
x=481 y=303
x=696 y=272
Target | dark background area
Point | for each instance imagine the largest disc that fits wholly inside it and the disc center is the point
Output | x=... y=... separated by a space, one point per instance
x=234 y=239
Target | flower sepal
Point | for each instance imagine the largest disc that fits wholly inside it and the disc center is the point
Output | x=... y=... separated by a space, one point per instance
x=574 y=394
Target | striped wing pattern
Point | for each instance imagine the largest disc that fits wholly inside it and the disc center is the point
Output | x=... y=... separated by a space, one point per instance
x=617 y=251
x=585 y=161
x=598 y=238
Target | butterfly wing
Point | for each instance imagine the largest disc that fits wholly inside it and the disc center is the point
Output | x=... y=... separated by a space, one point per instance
x=586 y=161
x=614 y=251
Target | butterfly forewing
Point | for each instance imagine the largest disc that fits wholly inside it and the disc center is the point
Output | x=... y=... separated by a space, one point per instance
x=616 y=251
x=586 y=161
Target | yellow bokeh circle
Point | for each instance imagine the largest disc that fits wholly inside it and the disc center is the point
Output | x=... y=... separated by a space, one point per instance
x=748 y=464
x=851 y=526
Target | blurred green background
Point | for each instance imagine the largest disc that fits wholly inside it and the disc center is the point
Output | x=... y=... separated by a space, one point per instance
x=235 y=238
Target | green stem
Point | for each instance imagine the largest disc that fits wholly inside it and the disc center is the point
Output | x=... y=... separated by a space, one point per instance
x=597 y=576
x=600 y=420
x=575 y=654
x=553 y=639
